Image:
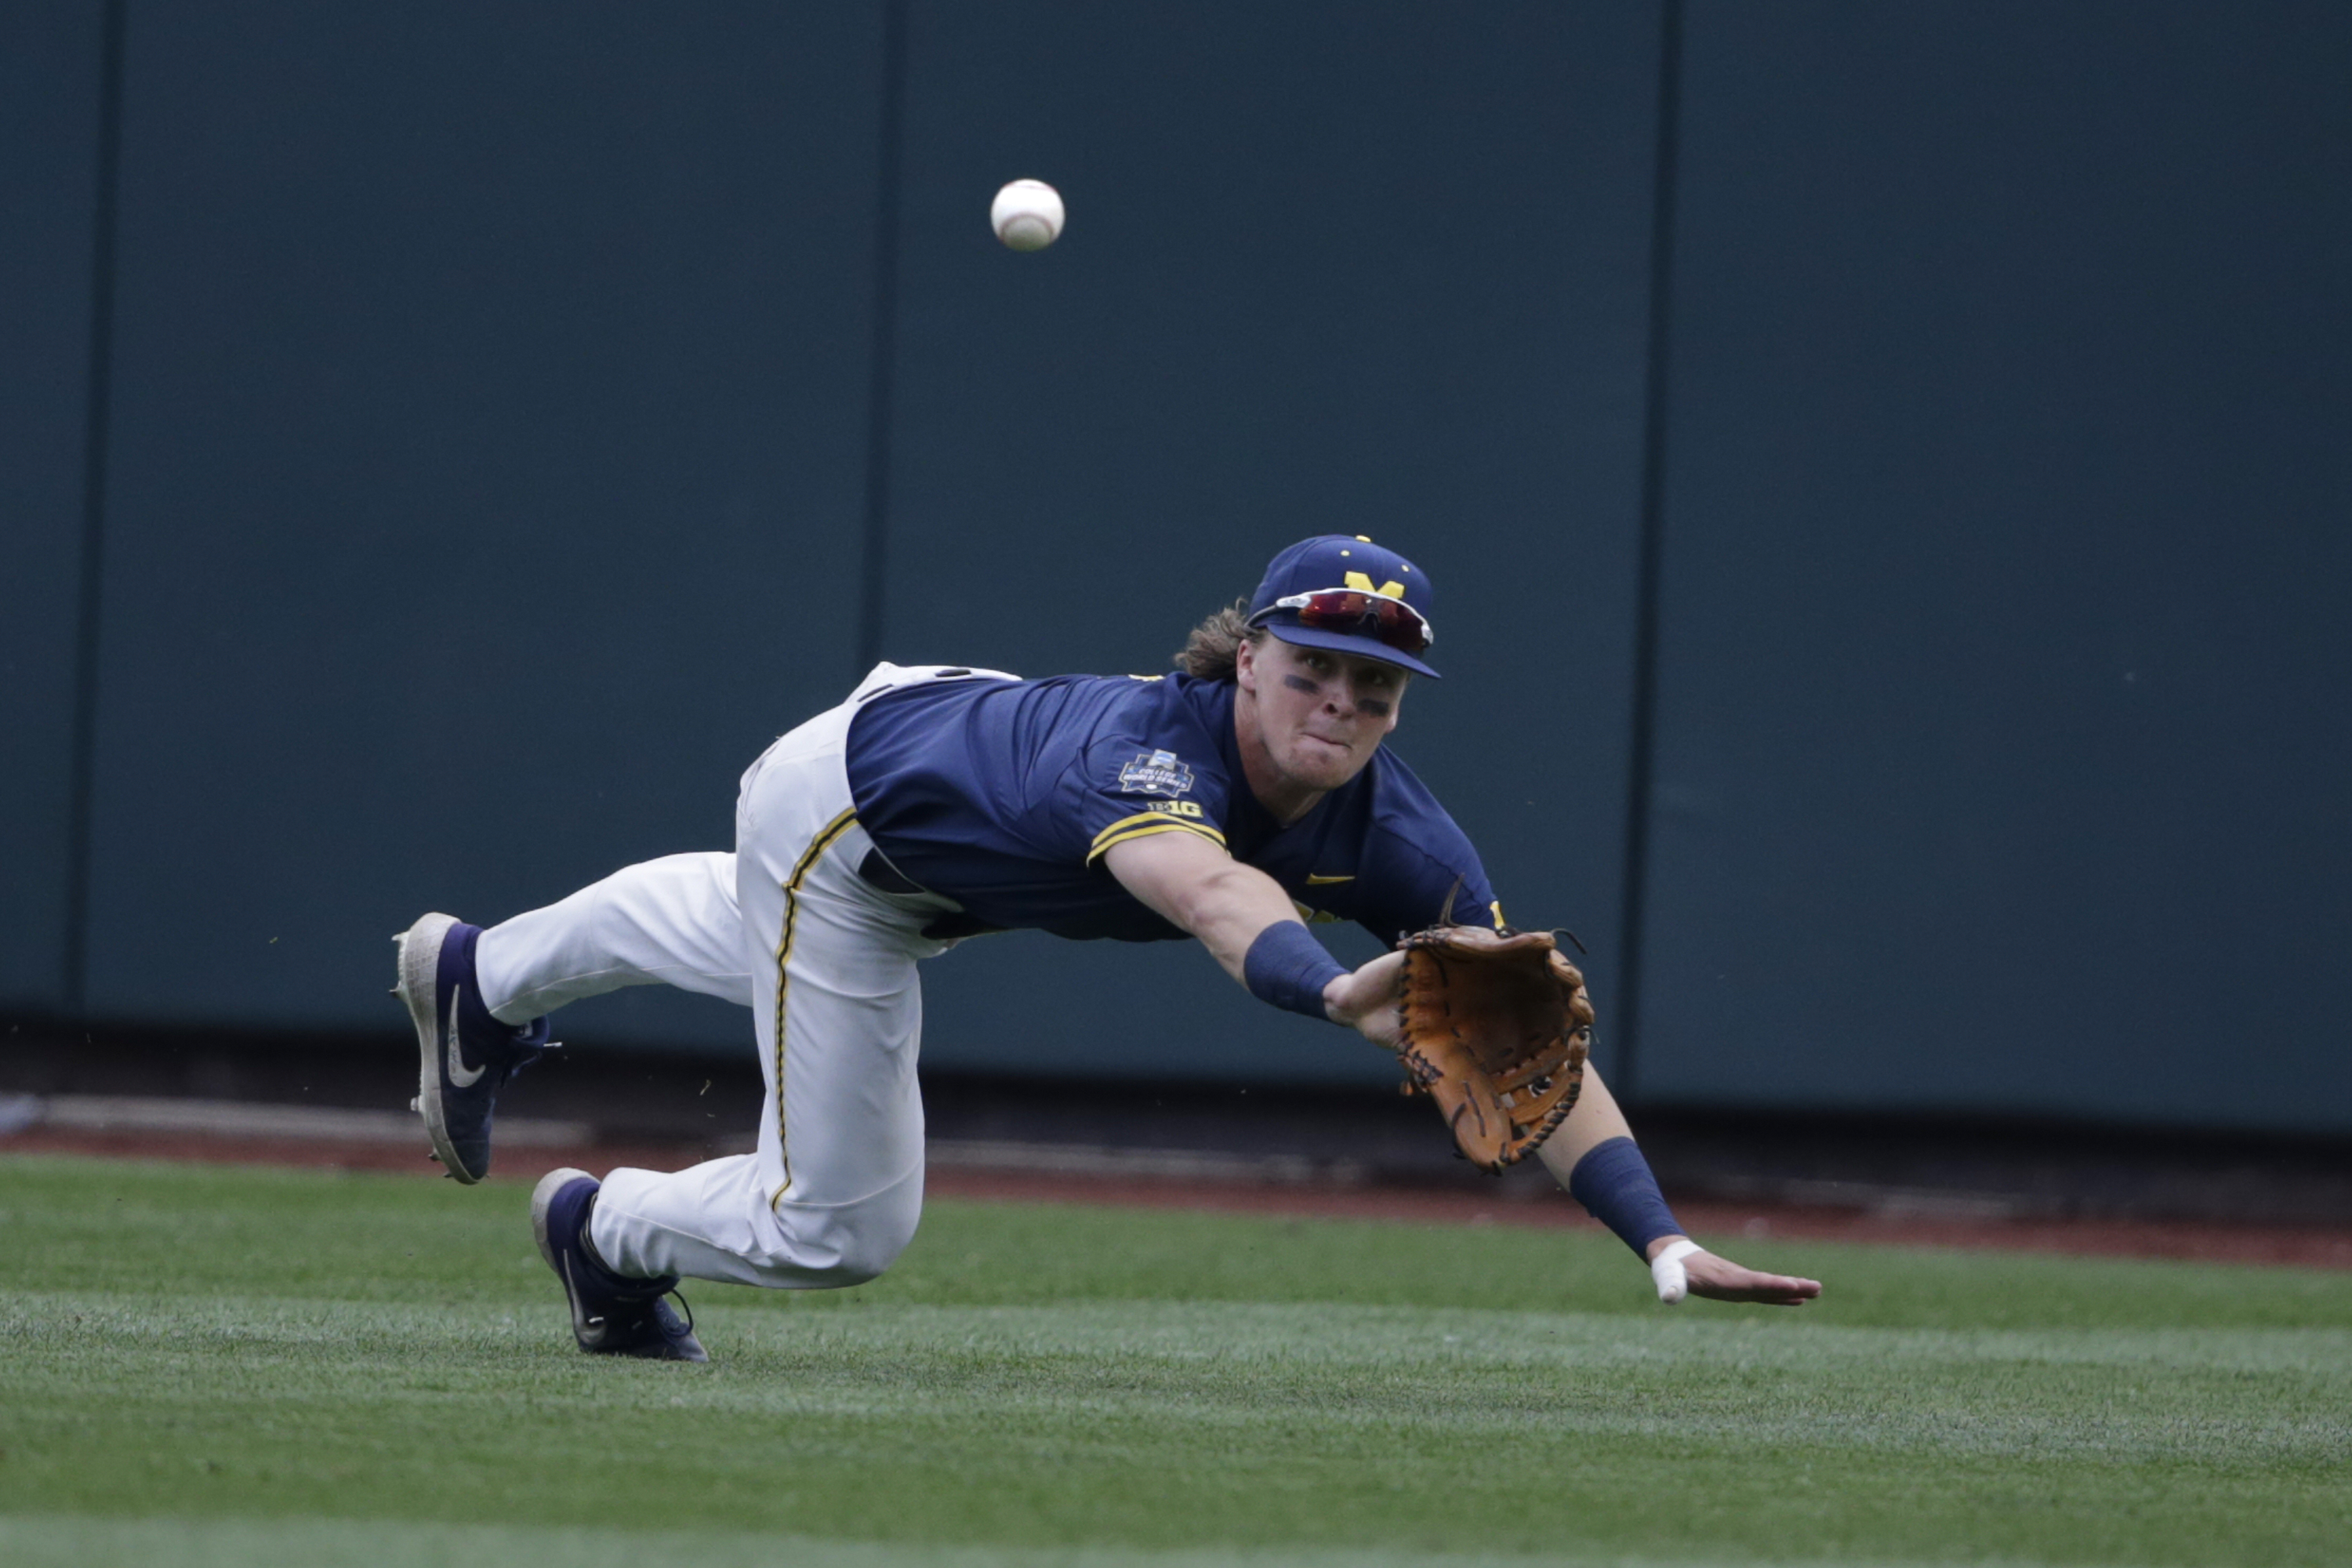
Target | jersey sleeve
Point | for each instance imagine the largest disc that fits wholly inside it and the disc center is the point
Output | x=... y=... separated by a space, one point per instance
x=1137 y=779
x=1416 y=859
x=1414 y=878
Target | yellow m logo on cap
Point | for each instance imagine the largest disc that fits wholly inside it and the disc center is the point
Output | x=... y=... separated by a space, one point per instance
x=1387 y=590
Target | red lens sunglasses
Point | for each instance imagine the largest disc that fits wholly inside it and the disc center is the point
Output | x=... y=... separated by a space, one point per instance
x=1392 y=622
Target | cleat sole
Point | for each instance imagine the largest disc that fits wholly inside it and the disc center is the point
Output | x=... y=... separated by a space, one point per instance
x=420 y=968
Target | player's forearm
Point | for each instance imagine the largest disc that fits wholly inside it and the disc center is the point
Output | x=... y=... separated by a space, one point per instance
x=1200 y=890
x=1593 y=1123
x=1252 y=928
x=1230 y=913
x=1615 y=1186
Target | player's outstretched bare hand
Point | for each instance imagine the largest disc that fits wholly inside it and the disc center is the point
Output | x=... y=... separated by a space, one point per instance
x=1721 y=1279
x=1366 y=999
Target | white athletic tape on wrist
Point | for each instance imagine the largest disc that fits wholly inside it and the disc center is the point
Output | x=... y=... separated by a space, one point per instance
x=1666 y=1268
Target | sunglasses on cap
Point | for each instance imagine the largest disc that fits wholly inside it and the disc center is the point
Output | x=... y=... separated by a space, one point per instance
x=1392 y=622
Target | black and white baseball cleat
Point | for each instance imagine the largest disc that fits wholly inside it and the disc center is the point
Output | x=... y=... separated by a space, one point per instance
x=464 y=1055
x=612 y=1314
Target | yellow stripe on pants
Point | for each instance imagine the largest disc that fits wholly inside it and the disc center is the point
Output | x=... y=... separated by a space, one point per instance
x=823 y=841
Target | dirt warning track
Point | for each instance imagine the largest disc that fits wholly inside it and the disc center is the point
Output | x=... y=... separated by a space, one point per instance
x=1891 y=1225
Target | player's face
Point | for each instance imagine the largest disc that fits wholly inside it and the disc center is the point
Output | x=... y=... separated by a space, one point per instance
x=1320 y=715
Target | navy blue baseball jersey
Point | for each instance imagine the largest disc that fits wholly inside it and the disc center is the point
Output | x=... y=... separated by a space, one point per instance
x=1005 y=795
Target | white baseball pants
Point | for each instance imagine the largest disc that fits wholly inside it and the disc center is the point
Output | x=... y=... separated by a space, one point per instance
x=825 y=961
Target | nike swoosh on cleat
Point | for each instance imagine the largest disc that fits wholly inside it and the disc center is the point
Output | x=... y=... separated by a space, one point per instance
x=460 y=1074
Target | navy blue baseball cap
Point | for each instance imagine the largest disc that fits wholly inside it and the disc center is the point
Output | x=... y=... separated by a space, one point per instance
x=1344 y=593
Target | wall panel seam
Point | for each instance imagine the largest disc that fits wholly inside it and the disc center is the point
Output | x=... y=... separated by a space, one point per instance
x=874 y=566
x=73 y=982
x=1625 y=1062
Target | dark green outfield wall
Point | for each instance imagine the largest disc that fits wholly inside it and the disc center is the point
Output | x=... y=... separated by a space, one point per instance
x=511 y=421
x=49 y=119
x=2002 y=696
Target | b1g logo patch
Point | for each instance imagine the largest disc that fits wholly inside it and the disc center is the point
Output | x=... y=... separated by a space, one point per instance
x=1155 y=772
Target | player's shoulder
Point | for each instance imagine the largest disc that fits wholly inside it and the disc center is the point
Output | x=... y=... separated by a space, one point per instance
x=1163 y=731
x=1078 y=716
x=1072 y=695
x=1174 y=703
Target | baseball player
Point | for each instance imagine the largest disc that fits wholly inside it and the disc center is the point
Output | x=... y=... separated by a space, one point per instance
x=1228 y=802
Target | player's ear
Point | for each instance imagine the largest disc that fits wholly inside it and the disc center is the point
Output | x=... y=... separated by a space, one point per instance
x=1246 y=666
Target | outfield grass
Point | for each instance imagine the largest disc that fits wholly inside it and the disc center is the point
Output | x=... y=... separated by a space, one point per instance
x=203 y=1364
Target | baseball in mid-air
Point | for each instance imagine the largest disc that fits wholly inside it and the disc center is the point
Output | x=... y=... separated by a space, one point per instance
x=1026 y=215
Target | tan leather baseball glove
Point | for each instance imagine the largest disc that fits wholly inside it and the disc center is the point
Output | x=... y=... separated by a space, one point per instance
x=1497 y=1027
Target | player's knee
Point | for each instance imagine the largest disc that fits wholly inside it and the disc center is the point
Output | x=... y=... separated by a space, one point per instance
x=872 y=1236
x=830 y=1249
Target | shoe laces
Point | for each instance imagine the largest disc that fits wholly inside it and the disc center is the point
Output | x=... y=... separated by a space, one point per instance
x=526 y=1045
x=631 y=1314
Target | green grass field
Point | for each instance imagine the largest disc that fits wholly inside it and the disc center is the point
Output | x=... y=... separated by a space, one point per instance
x=234 y=1365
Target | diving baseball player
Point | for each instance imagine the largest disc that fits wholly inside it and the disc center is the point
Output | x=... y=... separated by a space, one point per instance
x=935 y=804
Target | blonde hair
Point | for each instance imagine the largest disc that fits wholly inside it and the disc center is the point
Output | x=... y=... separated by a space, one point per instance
x=1212 y=650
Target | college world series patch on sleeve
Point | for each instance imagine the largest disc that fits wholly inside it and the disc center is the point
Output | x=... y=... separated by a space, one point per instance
x=1155 y=772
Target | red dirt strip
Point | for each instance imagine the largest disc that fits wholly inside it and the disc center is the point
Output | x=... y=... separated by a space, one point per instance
x=2300 y=1247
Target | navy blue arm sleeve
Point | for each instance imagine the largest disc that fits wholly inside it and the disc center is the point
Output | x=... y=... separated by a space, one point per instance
x=1614 y=1184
